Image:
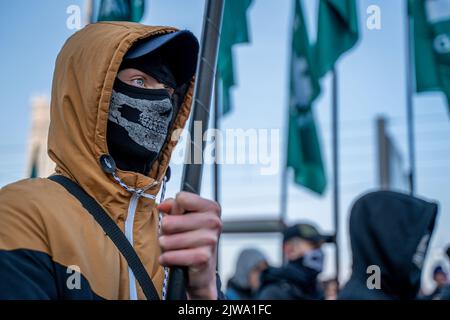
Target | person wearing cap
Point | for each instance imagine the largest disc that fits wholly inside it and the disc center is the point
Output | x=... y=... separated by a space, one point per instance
x=119 y=91
x=297 y=279
x=442 y=284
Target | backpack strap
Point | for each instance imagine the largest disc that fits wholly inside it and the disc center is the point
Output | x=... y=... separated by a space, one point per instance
x=113 y=232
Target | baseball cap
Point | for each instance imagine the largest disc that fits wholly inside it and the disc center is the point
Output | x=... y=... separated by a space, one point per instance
x=179 y=49
x=308 y=232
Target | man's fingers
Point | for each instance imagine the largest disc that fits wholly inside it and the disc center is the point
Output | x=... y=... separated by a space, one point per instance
x=190 y=202
x=171 y=206
x=190 y=232
x=186 y=202
x=183 y=223
x=166 y=205
x=185 y=240
x=177 y=208
x=187 y=257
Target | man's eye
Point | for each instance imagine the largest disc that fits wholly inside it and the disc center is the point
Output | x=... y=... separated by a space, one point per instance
x=139 y=82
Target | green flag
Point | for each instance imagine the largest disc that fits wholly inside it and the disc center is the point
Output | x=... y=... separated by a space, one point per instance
x=121 y=10
x=431 y=37
x=304 y=154
x=234 y=31
x=337 y=32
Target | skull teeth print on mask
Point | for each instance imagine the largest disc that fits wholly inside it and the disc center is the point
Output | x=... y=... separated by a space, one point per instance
x=139 y=120
x=154 y=118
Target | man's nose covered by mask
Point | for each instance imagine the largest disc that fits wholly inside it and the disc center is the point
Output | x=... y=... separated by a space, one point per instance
x=139 y=119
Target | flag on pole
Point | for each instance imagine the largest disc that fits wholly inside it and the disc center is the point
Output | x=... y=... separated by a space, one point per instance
x=121 y=10
x=430 y=27
x=337 y=32
x=304 y=154
x=234 y=31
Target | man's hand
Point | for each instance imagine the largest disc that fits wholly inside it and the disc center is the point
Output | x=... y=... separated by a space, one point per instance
x=189 y=235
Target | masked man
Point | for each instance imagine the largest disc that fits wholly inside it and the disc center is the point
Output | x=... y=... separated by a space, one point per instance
x=119 y=92
x=297 y=279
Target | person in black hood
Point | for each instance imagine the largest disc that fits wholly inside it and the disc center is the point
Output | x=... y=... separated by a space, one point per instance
x=389 y=233
x=297 y=280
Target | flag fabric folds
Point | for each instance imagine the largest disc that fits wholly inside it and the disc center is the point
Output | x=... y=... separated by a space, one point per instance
x=430 y=26
x=304 y=153
x=234 y=31
x=337 y=32
x=121 y=10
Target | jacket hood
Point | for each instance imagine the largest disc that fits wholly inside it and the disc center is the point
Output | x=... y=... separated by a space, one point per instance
x=85 y=70
x=247 y=260
x=392 y=231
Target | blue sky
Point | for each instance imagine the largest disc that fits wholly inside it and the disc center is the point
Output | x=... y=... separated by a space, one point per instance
x=372 y=83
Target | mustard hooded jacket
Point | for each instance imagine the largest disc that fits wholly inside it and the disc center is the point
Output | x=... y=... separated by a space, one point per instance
x=45 y=233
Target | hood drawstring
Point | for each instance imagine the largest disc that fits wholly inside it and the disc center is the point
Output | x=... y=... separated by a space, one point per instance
x=109 y=166
x=140 y=192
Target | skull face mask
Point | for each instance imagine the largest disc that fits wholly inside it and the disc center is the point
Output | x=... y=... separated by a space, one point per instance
x=138 y=125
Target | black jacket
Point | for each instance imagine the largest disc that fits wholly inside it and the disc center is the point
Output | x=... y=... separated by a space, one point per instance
x=445 y=293
x=392 y=231
x=236 y=292
x=294 y=281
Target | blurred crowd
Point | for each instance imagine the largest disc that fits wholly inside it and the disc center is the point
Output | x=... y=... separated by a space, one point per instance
x=389 y=234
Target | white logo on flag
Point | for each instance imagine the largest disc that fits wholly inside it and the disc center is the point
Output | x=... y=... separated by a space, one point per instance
x=302 y=83
x=437 y=10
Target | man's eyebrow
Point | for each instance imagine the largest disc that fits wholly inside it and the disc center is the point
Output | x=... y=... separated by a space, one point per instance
x=131 y=75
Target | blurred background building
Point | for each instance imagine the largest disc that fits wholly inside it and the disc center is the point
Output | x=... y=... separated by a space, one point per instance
x=38 y=162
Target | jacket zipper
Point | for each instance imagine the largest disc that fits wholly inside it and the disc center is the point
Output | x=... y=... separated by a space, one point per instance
x=129 y=234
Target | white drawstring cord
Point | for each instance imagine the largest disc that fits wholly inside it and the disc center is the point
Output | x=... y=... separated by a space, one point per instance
x=141 y=193
x=166 y=270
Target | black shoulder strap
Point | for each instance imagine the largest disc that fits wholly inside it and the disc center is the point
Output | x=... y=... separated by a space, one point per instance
x=113 y=232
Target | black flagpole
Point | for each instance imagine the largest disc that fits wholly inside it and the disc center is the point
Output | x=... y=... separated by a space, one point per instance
x=218 y=150
x=410 y=104
x=192 y=171
x=335 y=151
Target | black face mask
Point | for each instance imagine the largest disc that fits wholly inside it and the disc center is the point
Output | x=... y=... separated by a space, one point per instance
x=138 y=125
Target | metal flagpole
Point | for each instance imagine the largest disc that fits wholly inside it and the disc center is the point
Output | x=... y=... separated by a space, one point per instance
x=284 y=189
x=192 y=171
x=284 y=186
x=216 y=166
x=284 y=193
x=89 y=15
x=335 y=152
x=218 y=150
x=409 y=103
